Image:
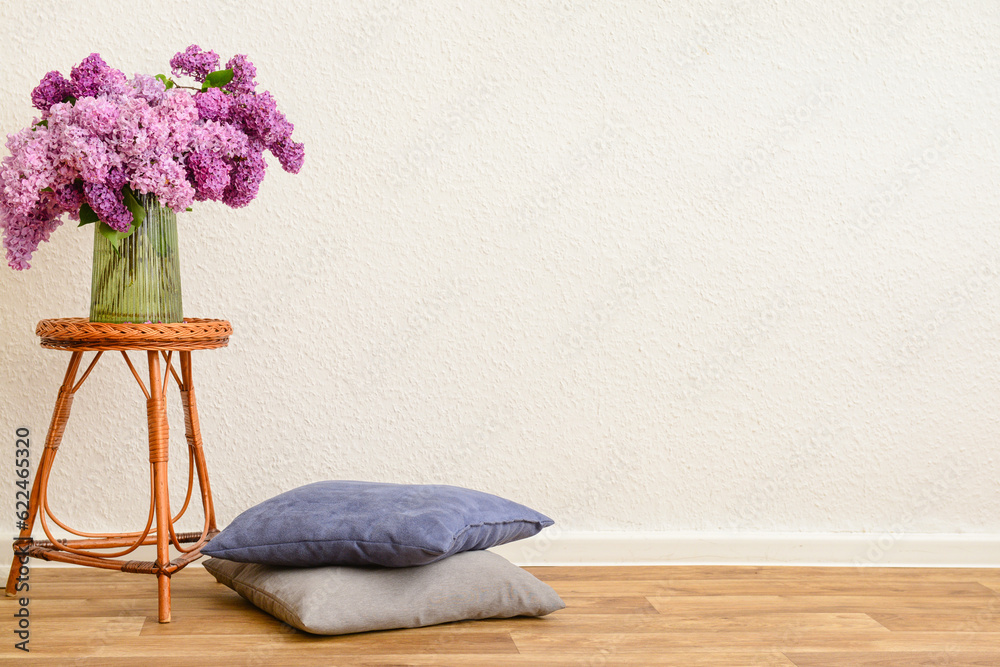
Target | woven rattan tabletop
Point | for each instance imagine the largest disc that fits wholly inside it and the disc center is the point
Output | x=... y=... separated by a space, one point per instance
x=80 y=334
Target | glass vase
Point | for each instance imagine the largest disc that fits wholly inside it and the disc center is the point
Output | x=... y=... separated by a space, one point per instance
x=140 y=280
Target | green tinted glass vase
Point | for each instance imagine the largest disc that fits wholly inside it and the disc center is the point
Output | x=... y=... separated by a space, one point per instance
x=140 y=280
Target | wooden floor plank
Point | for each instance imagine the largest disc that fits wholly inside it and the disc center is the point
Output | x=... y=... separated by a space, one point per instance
x=858 y=604
x=679 y=659
x=984 y=620
x=680 y=615
x=791 y=587
x=606 y=605
x=783 y=641
x=762 y=573
x=898 y=659
x=663 y=588
x=252 y=621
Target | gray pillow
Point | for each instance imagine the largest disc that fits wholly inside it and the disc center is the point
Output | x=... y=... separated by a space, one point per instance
x=370 y=523
x=339 y=599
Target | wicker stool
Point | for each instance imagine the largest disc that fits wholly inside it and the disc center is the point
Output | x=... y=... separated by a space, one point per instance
x=79 y=335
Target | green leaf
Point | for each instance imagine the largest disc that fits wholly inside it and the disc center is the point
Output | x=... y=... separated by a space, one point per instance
x=138 y=213
x=87 y=215
x=189 y=209
x=41 y=123
x=167 y=83
x=46 y=190
x=114 y=237
x=218 y=78
x=71 y=100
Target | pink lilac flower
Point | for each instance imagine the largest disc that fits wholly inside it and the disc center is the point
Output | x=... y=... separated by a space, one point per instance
x=67 y=199
x=194 y=62
x=245 y=178
x=116 y=179
x=85 y=154
x=168 y=181
x=210 y=174
x=168 y=143
x=261 y=119
x=290 y=154
x=148 y=88
x=22 y=236
x=213 y=137
x=24 y=232
x=109 y=205
x=52 y=89
x=99 y=116
x=27 y=170
x=214 y=104
x=244 y=74
x=94 y=77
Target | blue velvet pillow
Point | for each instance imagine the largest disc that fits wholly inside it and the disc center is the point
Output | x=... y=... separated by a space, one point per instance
x=368 y=523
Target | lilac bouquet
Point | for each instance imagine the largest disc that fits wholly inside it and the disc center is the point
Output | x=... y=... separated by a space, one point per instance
x=104 y=139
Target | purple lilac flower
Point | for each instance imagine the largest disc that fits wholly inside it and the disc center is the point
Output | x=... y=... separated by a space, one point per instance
x=214 y=104
x=109 y=205
x=261 y=119
x=213 y=137
x=23 y=233
x=98 y=116
x=168 y=181
x=244 y=74
x=244 y=180
x=86 y=154
x=53 y=89
x=175 y=145
x=67 y=199
x=116 y=179
x=148 y=88
x=23 y=172
x=210 y=174
x=291 y=154
x=194 y=62
x=22 y=236
x=94 y=77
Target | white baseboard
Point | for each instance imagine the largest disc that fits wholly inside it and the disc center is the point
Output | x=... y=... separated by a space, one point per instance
x=561 y=547
x=553 y=547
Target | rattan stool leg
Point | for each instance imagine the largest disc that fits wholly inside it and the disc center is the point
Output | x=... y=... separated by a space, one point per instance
x=60 y=415
x=159 y=439
x=192 y=430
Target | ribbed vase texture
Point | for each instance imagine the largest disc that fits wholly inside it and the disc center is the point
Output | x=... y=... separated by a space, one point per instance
x=140 y=281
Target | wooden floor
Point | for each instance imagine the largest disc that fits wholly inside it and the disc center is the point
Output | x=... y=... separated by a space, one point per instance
x=685 y=616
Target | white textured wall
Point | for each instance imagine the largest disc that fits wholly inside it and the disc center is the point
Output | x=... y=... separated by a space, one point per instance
x=644 y=266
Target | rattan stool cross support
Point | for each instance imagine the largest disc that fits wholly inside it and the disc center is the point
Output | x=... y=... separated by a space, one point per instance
x=78 y=336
